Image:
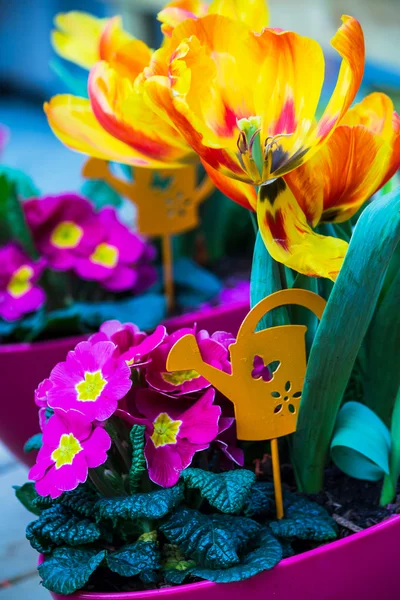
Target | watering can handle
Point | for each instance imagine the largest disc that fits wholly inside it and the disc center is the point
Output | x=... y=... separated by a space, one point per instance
x=293 y=296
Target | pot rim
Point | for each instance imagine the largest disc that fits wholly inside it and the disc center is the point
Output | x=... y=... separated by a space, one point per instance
x=286 y=563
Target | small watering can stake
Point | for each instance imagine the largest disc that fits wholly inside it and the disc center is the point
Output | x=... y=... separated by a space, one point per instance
x=268 y=369
x=162 y=210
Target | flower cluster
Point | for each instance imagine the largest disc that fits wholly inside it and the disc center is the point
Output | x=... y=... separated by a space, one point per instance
x=96 y=246
x=181 y=416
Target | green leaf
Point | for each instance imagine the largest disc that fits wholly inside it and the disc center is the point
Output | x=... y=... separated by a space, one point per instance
x=147 y=311
x=81 y=500
x=74 y=84
x=390 y=481
x=261 y=501
x=265 y=280
x=24 y=186
x=304 y=520
x=138 y=460
x=135 y=558
x=13 y=226
x=211 y=540
x=195 y=285
x=361 y=443
x=57 y=525
x=27 y=495
x=151 y=505
x=101 y=194
x=34 y=443
x=267 y=554
x=350 y=308
x=69 y=569
x=382 y=372
x=226 y=491
x=176 y=567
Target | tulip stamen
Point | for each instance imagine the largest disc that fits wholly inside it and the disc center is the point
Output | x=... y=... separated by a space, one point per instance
x=270 y=145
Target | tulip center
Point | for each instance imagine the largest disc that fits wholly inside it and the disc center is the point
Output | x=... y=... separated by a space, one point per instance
x=90 y=388
x=66 y=235
x=105 y=255
x=20 y=283
x=179 y=377
x=67 y=449
x=165 y=430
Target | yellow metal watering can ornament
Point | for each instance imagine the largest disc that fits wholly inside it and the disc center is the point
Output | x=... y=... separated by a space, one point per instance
x=268 y=370
x=162 y=211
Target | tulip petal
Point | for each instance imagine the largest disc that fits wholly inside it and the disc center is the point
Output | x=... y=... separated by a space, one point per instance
x=77 y=37
x=112 y=37
x=121 y=110
x=179 y=10
x=242 y=193
x=344 y=174
x=252 y=12
x=73 y=122
x=290 y=240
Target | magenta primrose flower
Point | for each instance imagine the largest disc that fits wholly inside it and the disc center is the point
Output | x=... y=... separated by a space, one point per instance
x=65 y=228
x=175 y=431
x=226 y=441
x=213 y=349
x=133 y=346
x=19 y=293
x=92 y=380
x=112 y=260
x=71 y=446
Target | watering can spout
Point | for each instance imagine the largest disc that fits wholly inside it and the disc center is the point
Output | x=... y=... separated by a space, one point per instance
x=185 y=355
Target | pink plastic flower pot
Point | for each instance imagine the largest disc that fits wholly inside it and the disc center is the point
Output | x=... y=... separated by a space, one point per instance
x=24 y=366
x=362 y=566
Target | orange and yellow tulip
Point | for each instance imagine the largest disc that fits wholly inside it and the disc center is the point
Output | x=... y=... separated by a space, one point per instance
x=115 y=123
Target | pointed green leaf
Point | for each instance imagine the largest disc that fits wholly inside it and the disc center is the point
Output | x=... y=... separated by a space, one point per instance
x=134 y=558
x=265 y=280
x=138 y=460
x=27 y=495
x=226 y=491
x=74 y=84
x=266 y=554
x=67 y=570
x=13 y=226
x=304 y=520
x=350 y=307
x=390 y=482
x=211 y=540
x=151 y=505
x=34 y=443
x=57 y=525
x=195 y=284
x=24 y=186
x=261 y=500
x=361 y=443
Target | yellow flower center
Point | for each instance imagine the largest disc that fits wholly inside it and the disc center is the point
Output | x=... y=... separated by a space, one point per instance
x=165 y=430
x=20 y=283
x=91 y=387
x=67 y=449
x=105 y=255
x=179 y=377
x=66 y=235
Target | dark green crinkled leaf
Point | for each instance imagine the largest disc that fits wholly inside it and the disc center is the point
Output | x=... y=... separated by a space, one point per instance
x=211 y=540
x=101 y=194
x=81 y=500
x=261 y=500
x=304 y=520
x=57 y=526
x=27 y=495
x=34 y=443
x=69 y=569
x=152 y=505
x=267 y=554
x=134 y=558
x=138 y=460
x=226 y=491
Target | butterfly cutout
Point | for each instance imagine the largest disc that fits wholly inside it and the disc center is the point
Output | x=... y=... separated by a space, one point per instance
x=264 y=372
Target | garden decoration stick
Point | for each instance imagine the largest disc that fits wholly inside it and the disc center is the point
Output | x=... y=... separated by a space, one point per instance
x=268 y=370
x=167 y=204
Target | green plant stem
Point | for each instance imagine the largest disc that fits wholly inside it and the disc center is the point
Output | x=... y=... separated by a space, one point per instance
x=100 y=485
x=390 y=481
x=339 y=336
